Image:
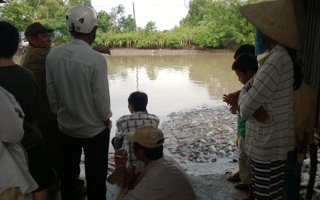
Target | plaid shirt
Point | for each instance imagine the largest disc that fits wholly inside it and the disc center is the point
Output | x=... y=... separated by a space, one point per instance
x=130 y=123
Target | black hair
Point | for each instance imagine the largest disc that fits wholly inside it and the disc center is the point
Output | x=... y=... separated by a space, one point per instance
x=245 y=62
x=139 y=100
x=245 y=48
x=151 y=154
x=9 y=40
x=297 y=67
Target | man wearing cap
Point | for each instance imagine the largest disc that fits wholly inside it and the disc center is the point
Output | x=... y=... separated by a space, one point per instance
x=39 y=38
x=162 y=177
x=270 y=138
x=34 y=59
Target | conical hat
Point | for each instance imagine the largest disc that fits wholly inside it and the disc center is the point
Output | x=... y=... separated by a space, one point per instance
x=276 y=19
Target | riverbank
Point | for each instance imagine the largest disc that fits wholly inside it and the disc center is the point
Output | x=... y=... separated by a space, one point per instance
x=164 y=52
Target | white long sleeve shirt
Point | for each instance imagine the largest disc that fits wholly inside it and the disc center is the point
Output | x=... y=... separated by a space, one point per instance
x=13 y=162
x=273 y=89
x=78 y=89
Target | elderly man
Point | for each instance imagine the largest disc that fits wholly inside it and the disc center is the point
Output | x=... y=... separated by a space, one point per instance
x=39 y=38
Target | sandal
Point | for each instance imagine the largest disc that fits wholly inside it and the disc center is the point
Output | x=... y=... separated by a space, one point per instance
x=241 y=186
x=234 y=177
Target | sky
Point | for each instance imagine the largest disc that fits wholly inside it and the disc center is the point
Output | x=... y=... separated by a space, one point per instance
x=165 y=13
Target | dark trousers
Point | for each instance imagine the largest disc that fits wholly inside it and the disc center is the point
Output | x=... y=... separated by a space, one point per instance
x=51 y=141
x=96 y=165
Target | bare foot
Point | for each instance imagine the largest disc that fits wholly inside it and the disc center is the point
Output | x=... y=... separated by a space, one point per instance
x=234 y=177
x=241 y=186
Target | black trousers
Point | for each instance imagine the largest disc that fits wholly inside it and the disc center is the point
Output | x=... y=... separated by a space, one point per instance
x=96 y=165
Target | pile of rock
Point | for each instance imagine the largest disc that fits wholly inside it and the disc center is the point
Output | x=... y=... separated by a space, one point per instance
x=202 y=134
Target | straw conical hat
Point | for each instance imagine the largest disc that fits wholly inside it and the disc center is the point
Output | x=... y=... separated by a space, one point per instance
x=276 y=19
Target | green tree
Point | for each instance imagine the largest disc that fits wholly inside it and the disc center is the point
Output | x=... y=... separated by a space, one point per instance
x=151 y=26
x=196 y=13
x=208 y=24
x=128 y=24
x=17 y=13
x=79 y=2
x=104 y=22
x=50 y=9
x=220 y=22
x=117 y=15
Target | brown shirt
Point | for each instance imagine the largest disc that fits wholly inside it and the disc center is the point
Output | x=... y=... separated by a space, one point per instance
x=35 y=60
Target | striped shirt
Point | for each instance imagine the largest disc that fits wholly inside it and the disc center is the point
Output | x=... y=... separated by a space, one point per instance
x=130 y=123
x=272 y=88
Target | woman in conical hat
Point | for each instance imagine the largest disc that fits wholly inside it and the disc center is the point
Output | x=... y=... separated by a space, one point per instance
x=278 y=20
x=270 y=135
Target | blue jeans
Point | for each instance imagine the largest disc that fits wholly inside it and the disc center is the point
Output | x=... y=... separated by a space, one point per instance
x=96 y=165
x=292 y=177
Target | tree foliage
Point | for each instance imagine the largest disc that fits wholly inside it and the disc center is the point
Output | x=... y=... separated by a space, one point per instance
x=17 y=13
x=104 y=22
x=151 y=26
x=208 y=24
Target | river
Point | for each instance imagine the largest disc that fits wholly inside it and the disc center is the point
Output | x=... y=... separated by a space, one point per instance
x=173 y=82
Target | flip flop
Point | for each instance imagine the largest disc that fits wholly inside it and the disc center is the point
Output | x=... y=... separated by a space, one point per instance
x=233 y=177
x=241 y=186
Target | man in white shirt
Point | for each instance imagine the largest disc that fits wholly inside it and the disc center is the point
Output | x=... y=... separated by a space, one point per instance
x=78 y=93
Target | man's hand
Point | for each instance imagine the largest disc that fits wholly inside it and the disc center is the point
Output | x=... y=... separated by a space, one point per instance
x=20 y=114
x=102 y=49
x=108 y=124
x=261 y=115
x=120 y=158
x=234 y=110
x=129 y=177
x=232 y=100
